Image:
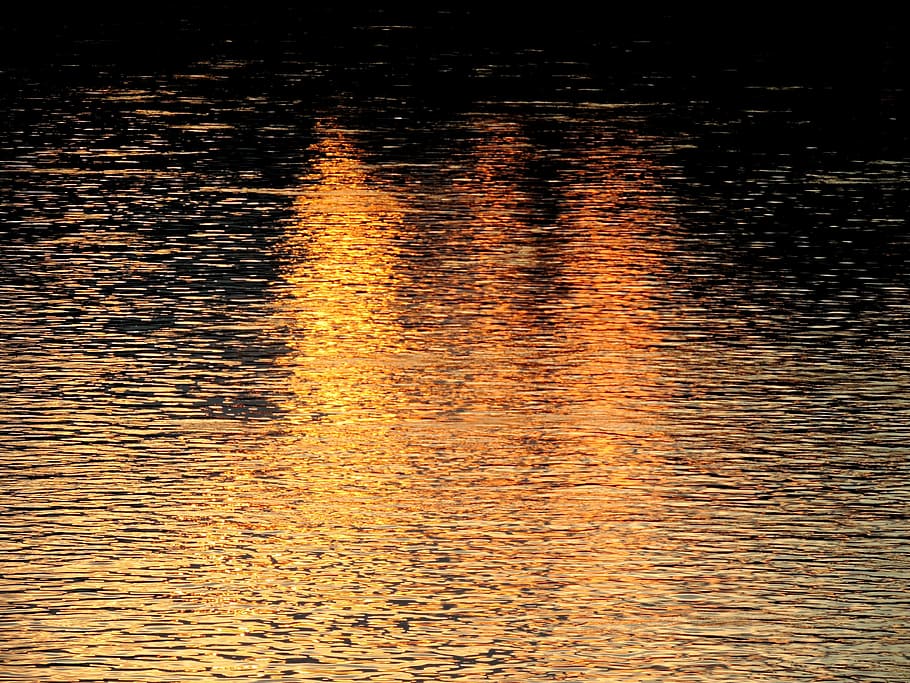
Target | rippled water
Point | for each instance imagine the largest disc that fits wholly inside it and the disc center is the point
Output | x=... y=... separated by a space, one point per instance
x=303 y=383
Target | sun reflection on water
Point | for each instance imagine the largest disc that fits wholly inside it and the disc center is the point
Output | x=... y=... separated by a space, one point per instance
x=462 y=471
x=468 y=404
x=477 y=407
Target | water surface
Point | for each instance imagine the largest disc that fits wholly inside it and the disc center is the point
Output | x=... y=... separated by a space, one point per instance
x=306 y=382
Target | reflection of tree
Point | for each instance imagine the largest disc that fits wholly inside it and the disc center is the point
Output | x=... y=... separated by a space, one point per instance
x=483 y=323
x=342 y=270
x=470 y=392
x=563 y=311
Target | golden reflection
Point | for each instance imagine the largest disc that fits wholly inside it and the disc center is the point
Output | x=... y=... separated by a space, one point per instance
x=562 y=321
x=342 y=312
x=465 y=469
x=503 y=330
x=464 y=480
x=463 y=475
x=481 y=385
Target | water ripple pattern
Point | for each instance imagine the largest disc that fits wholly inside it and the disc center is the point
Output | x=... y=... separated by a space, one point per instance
x=306 y=388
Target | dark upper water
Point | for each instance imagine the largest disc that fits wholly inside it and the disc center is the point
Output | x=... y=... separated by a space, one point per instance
x=441 y=361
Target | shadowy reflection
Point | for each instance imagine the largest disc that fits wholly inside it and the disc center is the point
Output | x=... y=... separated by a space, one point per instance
x=525 y=427
x=466 y=469
x=487 y=321
x=345 y=335
x=473 y=416
x=481 y=402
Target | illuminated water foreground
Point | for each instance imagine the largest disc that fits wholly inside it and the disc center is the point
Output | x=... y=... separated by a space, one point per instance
x=518 y=393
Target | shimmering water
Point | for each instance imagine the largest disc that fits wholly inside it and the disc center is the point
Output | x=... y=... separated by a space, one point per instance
x=312 y=382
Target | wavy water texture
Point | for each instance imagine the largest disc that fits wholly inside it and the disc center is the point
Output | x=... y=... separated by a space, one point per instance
x=362 y=390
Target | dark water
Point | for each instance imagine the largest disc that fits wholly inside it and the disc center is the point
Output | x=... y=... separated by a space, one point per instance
x=471 y=365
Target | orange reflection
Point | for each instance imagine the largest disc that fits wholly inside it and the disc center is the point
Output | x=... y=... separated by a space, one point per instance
x=474 y=414
x=465 y=479
x=342 y=311
x=501 y=361
x=561 y=318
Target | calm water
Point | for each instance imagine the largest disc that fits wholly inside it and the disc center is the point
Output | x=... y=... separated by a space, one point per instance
x=308 y=381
